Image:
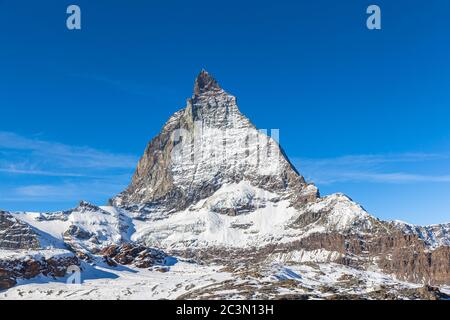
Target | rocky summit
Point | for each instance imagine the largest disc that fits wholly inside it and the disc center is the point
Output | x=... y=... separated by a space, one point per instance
x=205 y=146
x=215 y=209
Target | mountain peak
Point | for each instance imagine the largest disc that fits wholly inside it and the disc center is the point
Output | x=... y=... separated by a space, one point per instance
x=204 y=83
x=218 y=146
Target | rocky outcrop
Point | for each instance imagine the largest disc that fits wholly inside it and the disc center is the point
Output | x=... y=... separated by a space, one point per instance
x=15 y=234
x=133 y=254
x=433 y=235
x=78 y=232
x=6 y=282
x=29 y=267
x=411 y=261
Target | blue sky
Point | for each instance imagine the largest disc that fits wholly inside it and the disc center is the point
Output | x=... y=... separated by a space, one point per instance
x=361 y=112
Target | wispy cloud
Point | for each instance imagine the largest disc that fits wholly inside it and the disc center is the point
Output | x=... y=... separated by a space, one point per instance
x=35 y=170
x=34 y=156
x=378 y=168
x=13 y=170
x=63 y=191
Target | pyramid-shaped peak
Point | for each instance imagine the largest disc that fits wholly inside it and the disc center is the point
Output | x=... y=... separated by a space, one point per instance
x=204 y=83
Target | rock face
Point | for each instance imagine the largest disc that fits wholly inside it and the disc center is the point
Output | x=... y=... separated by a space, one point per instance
x=137 y=255
x=15 y=234
x=204 y=146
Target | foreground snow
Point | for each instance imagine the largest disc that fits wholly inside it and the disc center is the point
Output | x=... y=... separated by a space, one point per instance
x=192 y=281
x=103 y=282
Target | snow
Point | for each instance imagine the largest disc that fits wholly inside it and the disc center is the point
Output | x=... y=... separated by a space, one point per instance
x=54 y=228
x=301 y=256
x=343 y=213
x=102 y=282
x=107 y=225
x=434 y=235
x=203 y=227
x=231 y=196
x=332 y=275
x=204 y=224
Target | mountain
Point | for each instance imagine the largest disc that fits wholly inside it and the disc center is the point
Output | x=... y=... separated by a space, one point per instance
x=211 y=181
x=217 y=207
x=204 y=146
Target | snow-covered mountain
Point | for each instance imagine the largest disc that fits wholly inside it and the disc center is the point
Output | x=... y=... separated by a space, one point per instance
x=205 y=146
x=219 y=197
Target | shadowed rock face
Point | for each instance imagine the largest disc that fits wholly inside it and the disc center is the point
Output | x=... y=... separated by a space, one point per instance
x=15 y=234
x=205 y=83
x=179 y=168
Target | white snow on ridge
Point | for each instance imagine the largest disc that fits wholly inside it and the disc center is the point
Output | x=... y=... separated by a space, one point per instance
x=262 y=219
x=434 y=235
x=342 y=214
x=104 y=225
x=201 y=226
x=55 y=228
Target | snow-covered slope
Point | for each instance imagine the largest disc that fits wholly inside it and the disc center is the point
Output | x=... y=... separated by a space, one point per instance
x=86 y=228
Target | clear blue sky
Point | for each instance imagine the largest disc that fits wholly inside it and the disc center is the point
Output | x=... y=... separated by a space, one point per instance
x=362 y=112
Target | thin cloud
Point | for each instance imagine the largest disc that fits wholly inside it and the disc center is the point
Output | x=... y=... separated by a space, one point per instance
x=370 y=168
x=34 y=170
x=39 y=157
x=62 y=192
x=373 y=159
x=39 y=172
x=395 y=177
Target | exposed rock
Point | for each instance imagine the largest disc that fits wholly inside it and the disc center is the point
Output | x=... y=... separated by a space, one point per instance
x=78 y=232
x=29 y=267
x=15 y=234
x=7 y=282
x=128 y=253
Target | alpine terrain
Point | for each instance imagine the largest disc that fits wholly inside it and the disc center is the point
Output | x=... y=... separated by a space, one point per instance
x=215 y=210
